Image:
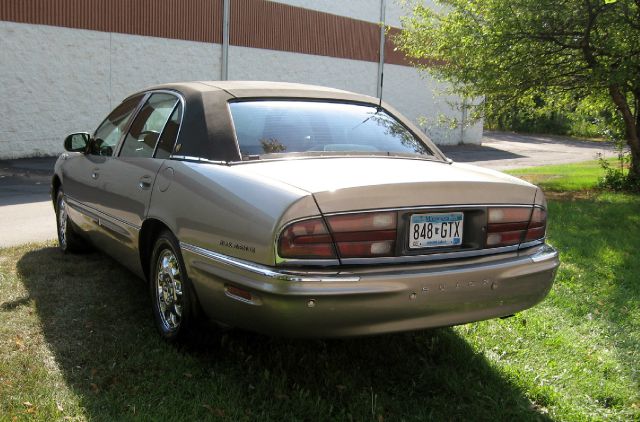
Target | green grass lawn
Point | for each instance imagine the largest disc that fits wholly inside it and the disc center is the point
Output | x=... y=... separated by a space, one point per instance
x=565 y=177
x=77 y=341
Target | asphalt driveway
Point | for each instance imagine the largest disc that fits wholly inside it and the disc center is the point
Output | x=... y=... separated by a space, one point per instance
x=26 y=213
x=504 y=151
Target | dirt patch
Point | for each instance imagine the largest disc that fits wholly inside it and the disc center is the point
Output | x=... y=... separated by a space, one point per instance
x=571 y=195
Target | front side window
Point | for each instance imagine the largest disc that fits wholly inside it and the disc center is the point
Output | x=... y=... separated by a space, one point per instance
x=280 y=127
x=108 y=133
x=148 y=125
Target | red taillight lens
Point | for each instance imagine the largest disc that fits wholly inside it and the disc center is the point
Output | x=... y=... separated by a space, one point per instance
x=509 y=215
x=364 y=235
x=537 y=226
x=511 y=226
x=356 y=236
x=306 y=239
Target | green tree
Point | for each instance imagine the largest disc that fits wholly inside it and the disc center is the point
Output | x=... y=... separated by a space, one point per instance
x=513 y=49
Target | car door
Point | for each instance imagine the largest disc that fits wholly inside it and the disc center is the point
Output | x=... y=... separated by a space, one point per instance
x=81 y=171
x=125 y=181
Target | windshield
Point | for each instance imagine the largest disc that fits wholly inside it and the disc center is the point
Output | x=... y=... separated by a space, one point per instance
x=280 y=127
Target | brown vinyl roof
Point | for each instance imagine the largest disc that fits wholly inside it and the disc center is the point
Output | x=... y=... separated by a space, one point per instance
x=207 y=130
x=262 y=89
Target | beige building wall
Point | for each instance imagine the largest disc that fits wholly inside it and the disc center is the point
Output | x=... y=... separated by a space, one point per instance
x=56 y=80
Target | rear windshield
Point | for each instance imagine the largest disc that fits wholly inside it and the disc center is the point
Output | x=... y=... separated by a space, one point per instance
x=281 y=127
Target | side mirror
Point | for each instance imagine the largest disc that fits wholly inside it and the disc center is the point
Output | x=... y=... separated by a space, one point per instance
x=77 y=142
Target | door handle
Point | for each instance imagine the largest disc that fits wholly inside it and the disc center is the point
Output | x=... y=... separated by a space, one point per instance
x=94 y=175
x=145 y=182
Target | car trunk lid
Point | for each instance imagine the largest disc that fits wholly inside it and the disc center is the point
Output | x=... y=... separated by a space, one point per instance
x=359 y=183
x=442 y=206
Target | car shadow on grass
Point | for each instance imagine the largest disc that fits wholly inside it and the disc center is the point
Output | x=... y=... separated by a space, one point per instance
x=96 y=320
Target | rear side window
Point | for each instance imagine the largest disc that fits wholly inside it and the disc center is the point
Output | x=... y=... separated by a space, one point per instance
x=269 y=127
x=148 y=125
x=169 y=134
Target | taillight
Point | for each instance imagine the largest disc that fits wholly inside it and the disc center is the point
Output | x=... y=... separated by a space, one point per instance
x=511 y=226
x=306 y=239
x=364 y=235
x=356 y=236
x=537 y=226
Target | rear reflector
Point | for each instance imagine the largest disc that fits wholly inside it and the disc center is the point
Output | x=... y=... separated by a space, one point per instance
x=241 y=293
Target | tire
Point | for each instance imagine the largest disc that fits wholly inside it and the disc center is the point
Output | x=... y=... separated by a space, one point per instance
x=173 y=300
x=68 y=239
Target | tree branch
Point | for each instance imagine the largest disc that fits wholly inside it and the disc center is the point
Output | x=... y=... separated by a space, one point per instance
x=586 y=40
x=630 y=123
x=636 y=94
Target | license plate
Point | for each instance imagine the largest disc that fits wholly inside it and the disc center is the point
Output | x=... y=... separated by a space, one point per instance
x=435 y=230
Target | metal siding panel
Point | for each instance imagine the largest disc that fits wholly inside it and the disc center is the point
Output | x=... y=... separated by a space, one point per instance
x=277 y=26
x=395 y=56
x=195 y=20
x=254 y=23
x=391 y=55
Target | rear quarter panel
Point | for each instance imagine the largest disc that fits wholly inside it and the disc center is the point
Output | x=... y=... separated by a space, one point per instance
x=223 y=210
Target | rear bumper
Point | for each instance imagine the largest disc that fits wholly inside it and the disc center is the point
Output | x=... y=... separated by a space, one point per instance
x=369 y=300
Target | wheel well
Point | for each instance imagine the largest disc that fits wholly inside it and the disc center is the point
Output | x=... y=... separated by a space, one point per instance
x=150 y=230
x=55 y=187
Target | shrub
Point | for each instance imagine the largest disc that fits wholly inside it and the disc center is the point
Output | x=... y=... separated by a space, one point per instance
x=617 y=178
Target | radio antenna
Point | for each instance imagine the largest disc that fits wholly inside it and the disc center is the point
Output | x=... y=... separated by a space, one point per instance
x=381 y=55
x=380 y=96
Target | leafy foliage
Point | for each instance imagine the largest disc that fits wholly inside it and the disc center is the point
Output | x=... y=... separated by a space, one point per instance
x=589 y=117
x=519 y=50
x=616 y=178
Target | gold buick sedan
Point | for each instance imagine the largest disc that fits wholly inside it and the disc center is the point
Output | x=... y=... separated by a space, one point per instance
x=298 y=211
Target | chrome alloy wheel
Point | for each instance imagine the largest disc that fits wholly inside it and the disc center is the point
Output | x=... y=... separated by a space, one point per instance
x=169 y=290
x=62 y=222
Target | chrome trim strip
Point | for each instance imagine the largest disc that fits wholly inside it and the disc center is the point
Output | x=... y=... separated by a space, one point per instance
x=328 y=156
x=433 y=207
x=196 y=159
x=92 y=213
x=264 y=270
x=77 y=206
x=532 y=243
x=300 y=262
x=546 y=252
x=430 y=257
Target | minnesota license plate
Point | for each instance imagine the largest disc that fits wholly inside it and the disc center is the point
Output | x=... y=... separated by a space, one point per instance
x=435 y=230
